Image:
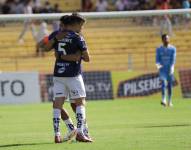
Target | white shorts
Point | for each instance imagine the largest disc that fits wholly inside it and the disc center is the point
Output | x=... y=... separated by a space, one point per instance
x=69 y=87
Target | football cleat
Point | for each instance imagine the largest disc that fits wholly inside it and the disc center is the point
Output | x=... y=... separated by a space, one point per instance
x=163 y=104
x=57 y=139
x=80 y=137
x=87 y=135
x=170 y=104
x=70 y=135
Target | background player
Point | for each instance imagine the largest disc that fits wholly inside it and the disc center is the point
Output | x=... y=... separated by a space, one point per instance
x=41 y=34
x=27 y=23
x=165 y=61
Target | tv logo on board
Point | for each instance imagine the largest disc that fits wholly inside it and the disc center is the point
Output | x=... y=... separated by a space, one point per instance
x=104 y=87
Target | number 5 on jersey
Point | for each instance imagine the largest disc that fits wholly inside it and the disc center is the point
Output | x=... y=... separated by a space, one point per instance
x=61 y=48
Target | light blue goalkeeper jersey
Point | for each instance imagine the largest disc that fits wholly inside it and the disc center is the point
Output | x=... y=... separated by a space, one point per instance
x=166 y=56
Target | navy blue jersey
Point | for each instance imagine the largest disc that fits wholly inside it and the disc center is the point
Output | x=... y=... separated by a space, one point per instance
x=72 y=43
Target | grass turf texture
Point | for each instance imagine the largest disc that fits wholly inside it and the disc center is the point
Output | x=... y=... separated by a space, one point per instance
x=120 y=124
x=134 y=124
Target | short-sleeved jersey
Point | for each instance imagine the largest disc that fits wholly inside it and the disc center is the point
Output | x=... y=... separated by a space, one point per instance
x=166 y=56
x=72 y=43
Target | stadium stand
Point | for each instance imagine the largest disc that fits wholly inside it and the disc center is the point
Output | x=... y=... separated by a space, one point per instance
x=68 y=5
x=111 y=48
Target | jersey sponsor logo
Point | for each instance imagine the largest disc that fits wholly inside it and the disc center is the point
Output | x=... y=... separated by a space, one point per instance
x=66 y=40
x=62 y=64
x=61 y=70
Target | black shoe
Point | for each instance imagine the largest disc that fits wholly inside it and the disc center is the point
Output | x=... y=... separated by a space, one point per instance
x=163 y=104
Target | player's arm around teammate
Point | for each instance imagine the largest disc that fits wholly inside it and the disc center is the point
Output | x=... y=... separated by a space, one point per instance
x=75 y=84
x=47 y=44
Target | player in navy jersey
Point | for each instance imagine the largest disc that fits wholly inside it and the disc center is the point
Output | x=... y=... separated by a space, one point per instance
x=74 y=106
x=69 y=45
x=165 y=61
x=46 y=45
x=64 y=115
x=69 y=72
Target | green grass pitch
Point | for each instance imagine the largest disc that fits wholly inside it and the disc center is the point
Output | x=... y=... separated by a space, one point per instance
x=126 y=124
x=120 y=124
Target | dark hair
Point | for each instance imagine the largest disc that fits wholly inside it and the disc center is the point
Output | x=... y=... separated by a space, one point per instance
x=75 y=18
x=77 y=15
x=163 y=36
x=64 y=19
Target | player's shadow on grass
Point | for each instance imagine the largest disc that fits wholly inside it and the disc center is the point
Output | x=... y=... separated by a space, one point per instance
x=24 y=144
x=167 y=126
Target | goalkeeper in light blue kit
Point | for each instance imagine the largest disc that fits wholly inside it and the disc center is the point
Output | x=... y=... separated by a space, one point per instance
x=165 y=61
